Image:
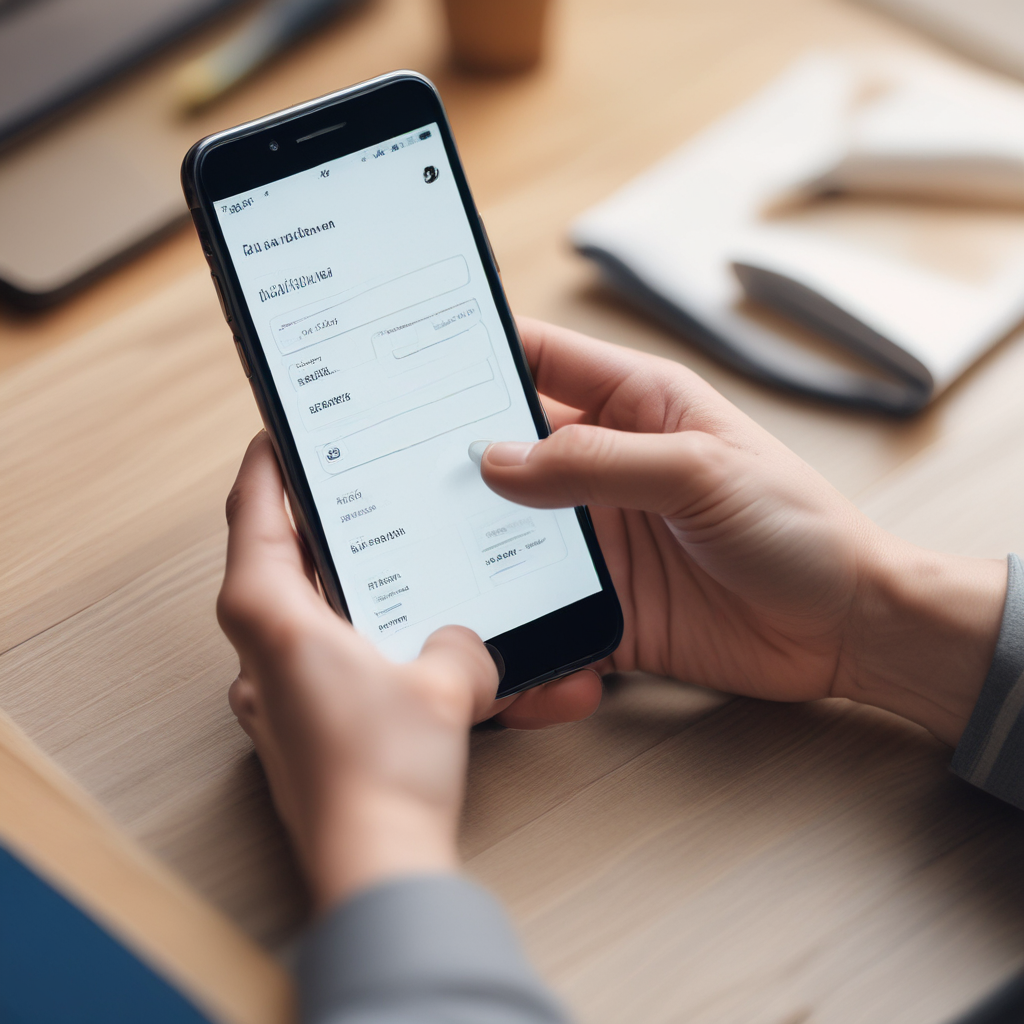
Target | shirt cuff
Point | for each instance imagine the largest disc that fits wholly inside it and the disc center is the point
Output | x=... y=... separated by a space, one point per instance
x=990 y=754
x=421 y=949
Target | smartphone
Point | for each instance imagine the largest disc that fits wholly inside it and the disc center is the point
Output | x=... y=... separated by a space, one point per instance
x=369 y=317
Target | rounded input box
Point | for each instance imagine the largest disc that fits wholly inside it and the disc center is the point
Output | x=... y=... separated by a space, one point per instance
x=362 y=305
x=515 y=541
x=310 y=371
x=342 y=353
x=424 y=334
x=433 y=356
x=454 y=401
x=384 y=387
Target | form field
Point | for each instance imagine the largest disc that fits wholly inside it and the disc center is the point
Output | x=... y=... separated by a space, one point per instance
x=320 y=321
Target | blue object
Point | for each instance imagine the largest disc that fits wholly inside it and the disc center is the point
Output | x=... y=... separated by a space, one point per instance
x=57 y=966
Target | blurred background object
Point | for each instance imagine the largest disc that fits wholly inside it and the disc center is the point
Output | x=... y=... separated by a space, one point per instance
x=990 y=30
x=270 y=29
x=873 y=199
x=496 y=35
x=95 y=134
x=166 y=63
x=53 y=51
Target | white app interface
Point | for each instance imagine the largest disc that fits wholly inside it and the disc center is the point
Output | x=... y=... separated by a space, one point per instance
x=364 y=283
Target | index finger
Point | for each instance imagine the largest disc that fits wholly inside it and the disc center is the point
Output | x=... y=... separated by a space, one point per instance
x=258 y=525
x=266 y=568
x=570 y=367
x=621 y=388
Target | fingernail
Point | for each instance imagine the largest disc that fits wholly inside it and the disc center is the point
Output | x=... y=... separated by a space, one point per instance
x=509 y=453
x=477 y=449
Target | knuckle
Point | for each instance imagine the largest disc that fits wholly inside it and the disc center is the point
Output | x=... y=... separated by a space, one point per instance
x=440 y=694
x=572 y=436
x=233 y=503
x=578 y=443
x=233 y=606
x=702 y=450
x=287 y=635
x=707 y=464
x=584 y=458
x=242 y=698
x=253 y=620
x=241 y=604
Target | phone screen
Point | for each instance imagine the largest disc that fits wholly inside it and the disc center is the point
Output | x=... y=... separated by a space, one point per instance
x=371 y=304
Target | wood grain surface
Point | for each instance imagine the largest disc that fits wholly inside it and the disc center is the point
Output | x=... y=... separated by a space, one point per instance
x=679 y=857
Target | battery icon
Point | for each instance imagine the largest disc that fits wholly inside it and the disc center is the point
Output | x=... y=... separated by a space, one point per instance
x=424 y=135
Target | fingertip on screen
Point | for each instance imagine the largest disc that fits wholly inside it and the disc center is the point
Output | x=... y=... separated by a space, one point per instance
x=476 y=451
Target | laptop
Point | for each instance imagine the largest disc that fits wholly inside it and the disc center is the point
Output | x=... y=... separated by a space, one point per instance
x=83 y=192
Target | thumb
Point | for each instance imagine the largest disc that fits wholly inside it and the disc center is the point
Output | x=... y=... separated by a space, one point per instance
x=672 y=475
x=459 y=656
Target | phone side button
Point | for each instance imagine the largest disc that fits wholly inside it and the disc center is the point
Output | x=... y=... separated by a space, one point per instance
x=490 y=248
x=220 y=296
x=241 y=355
x=204 y=238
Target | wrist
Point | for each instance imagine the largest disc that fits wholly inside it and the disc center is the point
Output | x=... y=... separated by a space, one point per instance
x=922 y=633
x=368 y=837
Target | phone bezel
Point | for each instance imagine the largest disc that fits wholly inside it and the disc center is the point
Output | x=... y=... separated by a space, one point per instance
x=239 y=160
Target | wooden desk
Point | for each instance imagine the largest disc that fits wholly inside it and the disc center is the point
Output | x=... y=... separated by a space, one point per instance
x=679 y=856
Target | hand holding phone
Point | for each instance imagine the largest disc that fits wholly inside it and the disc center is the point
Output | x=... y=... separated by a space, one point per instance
x=741 y=568
x=324 y=707
x=368 y=313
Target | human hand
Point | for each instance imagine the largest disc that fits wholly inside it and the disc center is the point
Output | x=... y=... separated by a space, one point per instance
x=737 y=566
x=366 y=758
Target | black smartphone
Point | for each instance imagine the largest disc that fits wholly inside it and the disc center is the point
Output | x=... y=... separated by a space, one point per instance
x=369 y=316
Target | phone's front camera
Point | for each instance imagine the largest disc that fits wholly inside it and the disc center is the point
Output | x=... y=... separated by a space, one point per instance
x=273 y=146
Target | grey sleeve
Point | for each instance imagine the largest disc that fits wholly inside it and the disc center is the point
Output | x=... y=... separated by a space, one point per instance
x=991 y=751
x=428 y=950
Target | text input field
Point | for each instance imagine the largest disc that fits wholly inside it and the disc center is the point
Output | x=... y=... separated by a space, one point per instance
x=328 y=318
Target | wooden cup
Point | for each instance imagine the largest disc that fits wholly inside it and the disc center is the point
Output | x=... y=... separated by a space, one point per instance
x=496 y=35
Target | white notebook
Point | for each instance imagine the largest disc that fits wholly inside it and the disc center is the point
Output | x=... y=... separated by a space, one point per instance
x=918 y=269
